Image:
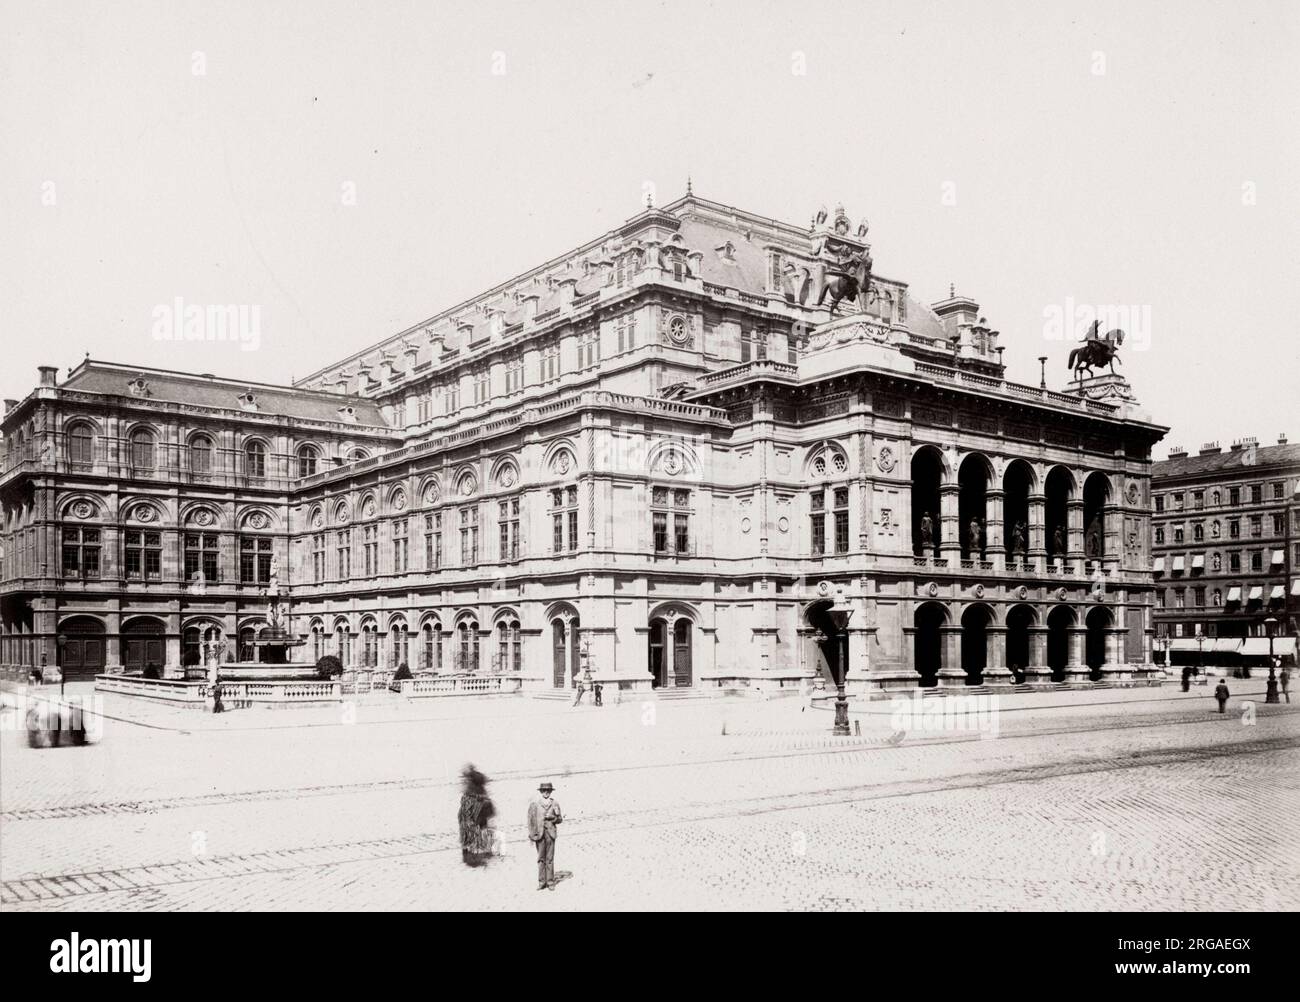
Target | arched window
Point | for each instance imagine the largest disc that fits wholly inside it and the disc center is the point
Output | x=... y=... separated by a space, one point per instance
x=201 y=456
x=369 y=645
x=399 y=634
x=81 y=446
x=432 y=647
x=357 y=455
x=509 y=648
x=307 y=457
x=255 y=460
x=142 y=451
x=467 y=655
x=343 y=643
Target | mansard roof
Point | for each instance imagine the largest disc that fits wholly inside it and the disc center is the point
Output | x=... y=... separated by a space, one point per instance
x=93 y=376
x=1235 y=461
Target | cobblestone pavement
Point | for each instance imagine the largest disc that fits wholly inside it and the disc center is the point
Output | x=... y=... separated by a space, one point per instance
x=1136 y=802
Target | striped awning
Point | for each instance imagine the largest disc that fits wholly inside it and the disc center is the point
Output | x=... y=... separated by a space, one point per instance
x=1160 y=565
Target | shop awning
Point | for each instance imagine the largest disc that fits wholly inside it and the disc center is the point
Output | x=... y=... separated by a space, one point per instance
x=1198 y=562
x=1278 y=556
x=1256 y=593
x=1295 y=587
x=1234 y=594
x=1224 y=645
x=1160 y=565
x=1180 y=563
x=1277 y=593
x=1258 y=646
x=1184 y=644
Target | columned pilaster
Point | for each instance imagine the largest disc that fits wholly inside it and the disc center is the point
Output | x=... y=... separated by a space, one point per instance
x=950 y=538
x=1074 y=540
x=1076 y=667
x=950 y=673
x=995 y=545
x=1037 y=537
x=1037 y=669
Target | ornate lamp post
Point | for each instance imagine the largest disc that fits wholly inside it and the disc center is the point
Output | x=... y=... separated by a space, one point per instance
x=1042 y=368
x=1200 y=651
x=840 y=616
x=1270 y=695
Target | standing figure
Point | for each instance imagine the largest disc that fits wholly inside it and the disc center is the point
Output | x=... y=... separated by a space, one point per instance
x=927 y=532
x=1285 y=678
x=543 y=815
x=1221 y=694
x=1018 y=539
x=976 y=538
x=1058 y=541
x=1094 y=536
x=597 y=687
x=582 y=688
x=476 y=811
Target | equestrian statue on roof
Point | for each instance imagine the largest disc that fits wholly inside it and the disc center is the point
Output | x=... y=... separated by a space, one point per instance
x=1096 y=349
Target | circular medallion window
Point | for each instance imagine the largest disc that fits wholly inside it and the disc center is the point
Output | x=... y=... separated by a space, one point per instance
x=83 y=509
x=204 y=517
x=783 y=524
x=466 y=485
x=745 y=525
x=677 y=330
x=431 y=493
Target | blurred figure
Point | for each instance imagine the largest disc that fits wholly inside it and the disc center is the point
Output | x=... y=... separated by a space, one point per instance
x=476 y=811
x=1221 y=694
x=1285 y=679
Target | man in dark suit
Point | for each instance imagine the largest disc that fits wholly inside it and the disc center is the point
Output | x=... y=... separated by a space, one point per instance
x=543 y=815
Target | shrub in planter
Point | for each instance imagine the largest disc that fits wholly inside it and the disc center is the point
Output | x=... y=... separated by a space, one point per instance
x=329 y=668
x=402 y=672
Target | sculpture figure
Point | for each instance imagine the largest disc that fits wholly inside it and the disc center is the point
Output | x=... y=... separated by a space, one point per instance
x=927 y=532
x=1096 y=349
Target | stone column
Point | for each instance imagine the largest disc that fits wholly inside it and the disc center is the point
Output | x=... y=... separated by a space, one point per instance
x=1114 y=647
x=949 y=536
x=1037 y=670
x=1074 y=536
x=995 y=660
x=951 y=675
x=1076 y=668
x=1037 y=538
x=994 y=544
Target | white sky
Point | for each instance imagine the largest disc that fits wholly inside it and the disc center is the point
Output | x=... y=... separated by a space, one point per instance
x=1119 y=187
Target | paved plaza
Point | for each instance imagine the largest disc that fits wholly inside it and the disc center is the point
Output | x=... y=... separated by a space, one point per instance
x=1139 y=799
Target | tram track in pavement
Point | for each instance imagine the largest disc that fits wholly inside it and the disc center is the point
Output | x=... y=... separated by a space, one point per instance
x=801 y=745
x=33 y=889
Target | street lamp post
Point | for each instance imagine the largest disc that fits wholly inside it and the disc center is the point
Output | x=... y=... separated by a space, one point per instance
x=1270 y=695
x=61 y=642
x=1042 y=372
x=840 y=616
x=1200 y=654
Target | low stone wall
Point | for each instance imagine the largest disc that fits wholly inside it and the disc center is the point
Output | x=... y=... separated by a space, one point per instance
x=459 y=685
x=234 y=693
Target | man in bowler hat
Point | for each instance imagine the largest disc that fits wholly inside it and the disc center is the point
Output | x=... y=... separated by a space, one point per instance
x=543 y=815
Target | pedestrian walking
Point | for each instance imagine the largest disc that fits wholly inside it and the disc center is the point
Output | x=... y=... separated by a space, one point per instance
x=1221 y=694
x=597 y=688
x=581 y=691
x=543 y=815
x=1187 y=678
x=1285 y=679
x=477 y=839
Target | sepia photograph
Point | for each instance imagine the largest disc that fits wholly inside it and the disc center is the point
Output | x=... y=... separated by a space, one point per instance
x=666 y=457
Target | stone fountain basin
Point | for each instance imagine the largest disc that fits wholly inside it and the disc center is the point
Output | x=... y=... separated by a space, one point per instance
x=244 y=671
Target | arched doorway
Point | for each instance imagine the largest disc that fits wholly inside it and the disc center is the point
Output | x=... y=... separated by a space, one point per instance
x=974 y=642
x=83 y=654
x=193 y=639
x=972 y=522
x=824 y=652
x=671 y=652
x=1056 y=527
x=927 y=474
x=565 y=652
x=1020 y=618
x=1017 y=483
x=1098 y=623
x=143 y=644
x=1059 y=622
x=927 y=642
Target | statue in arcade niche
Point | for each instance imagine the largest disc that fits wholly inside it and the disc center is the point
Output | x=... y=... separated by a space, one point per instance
x=1058 y=540
x=1094 y=537
x=927 y=533
x=976 y=537
x=1018 y=539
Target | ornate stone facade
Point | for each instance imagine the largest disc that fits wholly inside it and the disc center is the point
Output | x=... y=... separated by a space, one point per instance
x=653 y=453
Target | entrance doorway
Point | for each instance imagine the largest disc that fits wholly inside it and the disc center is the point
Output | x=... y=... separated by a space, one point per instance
x=83 y=655
x=143 y=644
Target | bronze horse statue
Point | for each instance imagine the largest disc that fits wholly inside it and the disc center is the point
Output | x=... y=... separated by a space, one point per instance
x=1096 y=351
x=853 y=281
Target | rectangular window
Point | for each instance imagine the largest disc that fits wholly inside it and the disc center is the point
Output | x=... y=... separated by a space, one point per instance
x=433 y=541
x=514 y=375
x=589 y=349
x=1160 y=503
x=1256 y=526
x=659 y=522
x=1257 y=561
x=481 y=386
x=370 y=550
x=469 y=535
x=1277 y=491
x=818 y=501
x=508 y=528
x=1200 y=598
x=1234 y=496
x=1234 y=528
x=254 y=560
x=1234 y=561
x=1256 y=493
x=400 y=546
x=343 y=551
x=318 y=557
x=550 y=363
x=1277 y=525
x=451 y=397
x=625 y=329
x=80 y=553
x=201 y=556
x=841 y=520
x=1198 y=499
x=682 y=532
